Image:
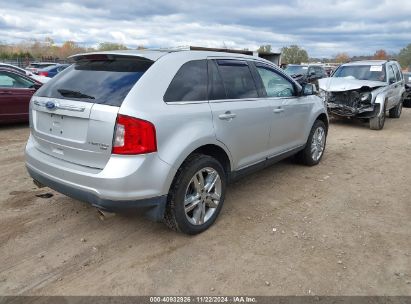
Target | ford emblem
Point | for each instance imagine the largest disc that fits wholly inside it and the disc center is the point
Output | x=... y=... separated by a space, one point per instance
x=50 y=105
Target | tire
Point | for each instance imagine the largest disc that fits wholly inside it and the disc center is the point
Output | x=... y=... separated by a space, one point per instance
x=396 y=111
x=307 y=156
x=187 y=186
x=377 y=122
x=407 y=103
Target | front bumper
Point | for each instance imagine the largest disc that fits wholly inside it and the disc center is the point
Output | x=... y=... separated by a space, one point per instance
x=348 y=111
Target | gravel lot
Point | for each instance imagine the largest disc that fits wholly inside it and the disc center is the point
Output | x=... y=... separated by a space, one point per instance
x=340 y=228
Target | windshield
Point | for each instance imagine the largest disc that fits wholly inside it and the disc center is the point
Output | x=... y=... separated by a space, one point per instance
x=362 y=72
x=296 y=69
x=103 y=81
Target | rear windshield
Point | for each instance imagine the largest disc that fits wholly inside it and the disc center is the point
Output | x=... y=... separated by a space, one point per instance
x=99 y=79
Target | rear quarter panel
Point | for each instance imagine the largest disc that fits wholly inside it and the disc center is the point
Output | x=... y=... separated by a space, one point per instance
x=180 y=127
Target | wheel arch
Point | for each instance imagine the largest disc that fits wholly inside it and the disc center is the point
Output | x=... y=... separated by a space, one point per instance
x=324 y=118
x=215 y=151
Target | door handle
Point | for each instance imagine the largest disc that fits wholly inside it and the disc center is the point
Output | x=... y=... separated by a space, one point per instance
x=227 y=116
x=278 y=110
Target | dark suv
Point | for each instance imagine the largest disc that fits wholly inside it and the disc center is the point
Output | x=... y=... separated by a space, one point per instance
x=306 y=73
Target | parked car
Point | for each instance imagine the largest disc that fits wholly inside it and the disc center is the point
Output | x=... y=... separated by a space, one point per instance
x=166 y=131
x=365 y=89
x=34 y=67
x=407 y=96
x=52 y=70
x=16 y=90
x=41 y=79
x=306 y=73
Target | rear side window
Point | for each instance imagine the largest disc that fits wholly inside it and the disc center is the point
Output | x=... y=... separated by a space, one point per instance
x=397 y=73
x=216 y=87
x=97 y=79
x=391 y=75
x=189 y=84
x=237 y=79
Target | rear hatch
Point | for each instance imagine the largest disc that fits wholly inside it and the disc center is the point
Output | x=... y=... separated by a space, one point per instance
x=73 y=116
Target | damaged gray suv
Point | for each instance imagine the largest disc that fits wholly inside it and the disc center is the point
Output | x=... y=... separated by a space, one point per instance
x=366 y=90
x=166 y=131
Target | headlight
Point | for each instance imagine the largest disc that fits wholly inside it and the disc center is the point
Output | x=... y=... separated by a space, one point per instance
x=324 y=95
x=366 y=97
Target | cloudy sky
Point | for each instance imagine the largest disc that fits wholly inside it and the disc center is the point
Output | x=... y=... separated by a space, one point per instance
x=322 y=27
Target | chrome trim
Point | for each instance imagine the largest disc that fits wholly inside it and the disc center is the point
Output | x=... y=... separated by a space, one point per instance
x=60 y=107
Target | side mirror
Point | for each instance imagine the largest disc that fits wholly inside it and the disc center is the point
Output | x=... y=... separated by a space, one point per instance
x=392 y=80
x=308 y=89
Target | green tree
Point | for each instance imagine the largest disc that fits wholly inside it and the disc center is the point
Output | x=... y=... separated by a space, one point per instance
x=264 y=49
x=111 y=46
x=293 y=54
x=404 y=57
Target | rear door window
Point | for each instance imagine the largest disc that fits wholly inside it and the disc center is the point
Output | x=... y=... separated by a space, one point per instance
x=102 y=79
x=189 y=84
x=237 y=79
x=11 y=80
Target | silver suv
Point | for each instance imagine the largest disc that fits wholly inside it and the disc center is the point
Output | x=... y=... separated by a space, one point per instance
x=166 y=131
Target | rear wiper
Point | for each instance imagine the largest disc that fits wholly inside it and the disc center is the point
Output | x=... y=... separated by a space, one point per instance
x=75 y=94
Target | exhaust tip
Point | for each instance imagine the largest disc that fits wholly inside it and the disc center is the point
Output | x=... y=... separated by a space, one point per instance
x=38 y=184
x=104 y=215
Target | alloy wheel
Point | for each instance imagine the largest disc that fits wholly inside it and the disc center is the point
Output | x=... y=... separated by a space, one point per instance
x=318 y=143
x=202 y=196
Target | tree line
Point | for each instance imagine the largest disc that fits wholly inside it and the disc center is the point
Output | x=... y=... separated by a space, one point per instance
x=295 y=55
x=47 y=49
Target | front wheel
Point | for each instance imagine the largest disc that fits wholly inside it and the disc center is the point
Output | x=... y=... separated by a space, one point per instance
x=196 y=196
x=314 y=149
x=377 y=122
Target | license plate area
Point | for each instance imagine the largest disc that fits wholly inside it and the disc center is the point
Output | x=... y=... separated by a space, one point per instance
x=62 y=126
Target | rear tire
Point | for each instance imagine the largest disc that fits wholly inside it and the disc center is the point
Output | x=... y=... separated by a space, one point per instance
x=194 y=201
x=315 y=146
x=407 y=103
x=377 y=122
x=396 y=111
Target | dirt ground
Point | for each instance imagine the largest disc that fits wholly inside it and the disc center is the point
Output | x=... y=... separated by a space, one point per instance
x=340 y=228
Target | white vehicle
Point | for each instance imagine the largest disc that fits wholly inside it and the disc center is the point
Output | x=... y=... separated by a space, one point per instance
x=42 y=79
x=365 y=90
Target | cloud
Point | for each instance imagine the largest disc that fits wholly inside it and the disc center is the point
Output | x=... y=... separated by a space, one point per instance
x=324 y=27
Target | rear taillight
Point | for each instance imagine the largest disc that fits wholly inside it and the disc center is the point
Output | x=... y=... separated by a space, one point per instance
x=44 y=74
x=133 y=136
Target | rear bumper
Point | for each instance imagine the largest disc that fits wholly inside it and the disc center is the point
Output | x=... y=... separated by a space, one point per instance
x=154 y=207
x=126 y=182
